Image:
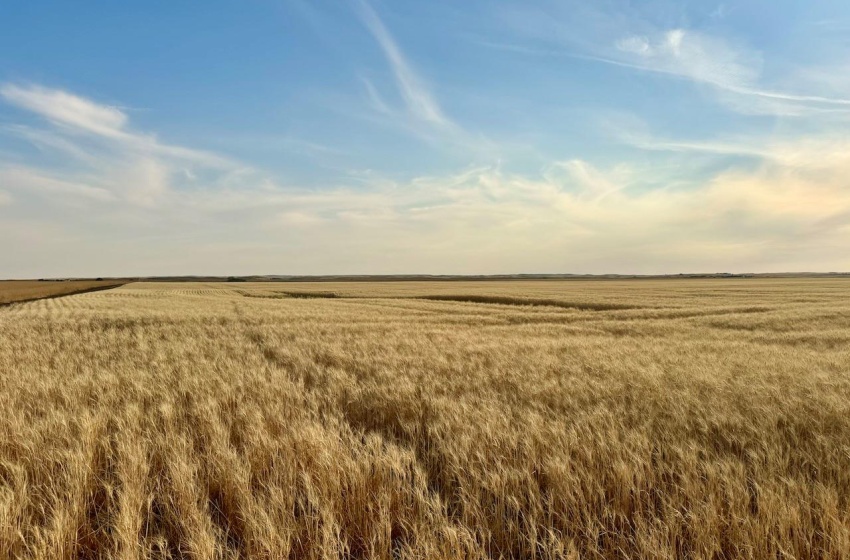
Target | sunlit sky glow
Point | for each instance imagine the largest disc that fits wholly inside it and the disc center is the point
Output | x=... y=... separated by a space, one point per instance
x=442 y=137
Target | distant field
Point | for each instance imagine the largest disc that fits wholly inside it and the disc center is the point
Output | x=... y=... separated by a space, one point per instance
x=525 y=419
x=23 y=290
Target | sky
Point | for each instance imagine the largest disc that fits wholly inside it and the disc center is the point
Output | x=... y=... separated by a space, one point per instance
x=236 y=137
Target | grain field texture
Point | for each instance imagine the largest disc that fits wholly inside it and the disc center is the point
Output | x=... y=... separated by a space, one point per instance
x=668 y=419
x=12 y=291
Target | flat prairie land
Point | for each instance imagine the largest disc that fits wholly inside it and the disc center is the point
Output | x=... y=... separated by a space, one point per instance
x=24 y=290
x=698 y=419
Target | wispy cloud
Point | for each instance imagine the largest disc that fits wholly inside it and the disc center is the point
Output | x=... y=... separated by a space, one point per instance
x=66 y=109
x=406 y=101
x=790 y=211
x=800 y=152
x=419 y=100
x=706 y=59
x=96 y=154
x=731 y=68
x=75 y=114
x=375 y=98
x=693 y=55
x=29 y=179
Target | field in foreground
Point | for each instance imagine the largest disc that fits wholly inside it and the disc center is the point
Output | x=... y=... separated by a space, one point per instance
x=586 y=419
x=23 y=290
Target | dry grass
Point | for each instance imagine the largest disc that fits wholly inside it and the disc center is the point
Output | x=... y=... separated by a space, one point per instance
x=641 y=419
x=24 y=290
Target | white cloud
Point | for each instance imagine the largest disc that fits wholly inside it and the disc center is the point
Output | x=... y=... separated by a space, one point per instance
x=411 y=106
x=375 y=98
x=693 y=55
x=733 y=70
x=72 y=113
x=67 y=109
x=144 y=180
x=96 y=154
x=31 y=180
x=630 y=36
x=585 y=219
x=297 y=218
x=636 y=44
x=825 y=152
x=588 y=181
x=419 y=100
x=50 y=142
x=140 y=212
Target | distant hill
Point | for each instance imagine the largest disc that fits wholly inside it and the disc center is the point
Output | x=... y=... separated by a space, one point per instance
x=453 y=277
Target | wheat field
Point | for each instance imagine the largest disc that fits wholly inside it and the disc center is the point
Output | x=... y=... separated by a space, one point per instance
x=530 y=419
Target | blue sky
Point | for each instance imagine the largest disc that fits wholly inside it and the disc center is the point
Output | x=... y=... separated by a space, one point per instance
x=367 y=137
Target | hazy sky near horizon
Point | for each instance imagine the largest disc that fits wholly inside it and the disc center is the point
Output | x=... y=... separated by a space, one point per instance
x=381 y=137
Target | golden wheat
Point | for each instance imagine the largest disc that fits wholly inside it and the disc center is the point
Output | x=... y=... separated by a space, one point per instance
x=546 y=419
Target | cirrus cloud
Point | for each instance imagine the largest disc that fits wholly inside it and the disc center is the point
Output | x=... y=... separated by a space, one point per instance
x=148 y=211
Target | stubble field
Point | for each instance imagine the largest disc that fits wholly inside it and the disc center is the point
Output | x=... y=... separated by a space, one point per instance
x=12 y=291
x=528 y=419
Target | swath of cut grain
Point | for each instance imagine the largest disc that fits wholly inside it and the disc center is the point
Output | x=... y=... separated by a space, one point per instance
x=12 y=291
x=505 y=300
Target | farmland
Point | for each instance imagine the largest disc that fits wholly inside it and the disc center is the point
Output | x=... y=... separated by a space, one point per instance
x=24 y=290
x=526 y=419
